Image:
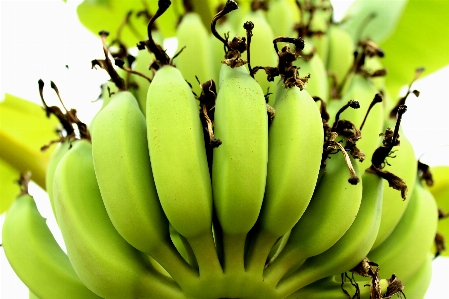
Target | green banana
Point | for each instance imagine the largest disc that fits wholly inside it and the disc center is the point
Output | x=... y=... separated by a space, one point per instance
x=407 y=246
x=120 y=272
x=353 y=246
x=35 y=255
x=341 y=52
x=416 y=286
x=330 y=213
x=239 y=168
x=121 y=159
x=216 y=46
x=178 y=154
x=280 y=17
x=318 y=83
x=319 y=26
x=196 y=58
x=32 y=296
x=294 y=159
x=393 y=206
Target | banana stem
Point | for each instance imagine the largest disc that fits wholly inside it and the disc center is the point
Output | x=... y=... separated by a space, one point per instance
x=259 y=250
x=206 y=255
x=234 y=253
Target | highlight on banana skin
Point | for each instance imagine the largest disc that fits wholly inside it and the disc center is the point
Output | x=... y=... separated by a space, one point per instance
x=264 y=159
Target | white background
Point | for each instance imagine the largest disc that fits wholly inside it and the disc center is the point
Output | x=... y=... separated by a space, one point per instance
x=38 y=38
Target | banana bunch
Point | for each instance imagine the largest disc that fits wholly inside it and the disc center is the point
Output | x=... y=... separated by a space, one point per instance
x=285 y=174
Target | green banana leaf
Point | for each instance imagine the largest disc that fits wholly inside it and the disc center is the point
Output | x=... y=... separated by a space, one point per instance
x=412 y=33
x=24 y=129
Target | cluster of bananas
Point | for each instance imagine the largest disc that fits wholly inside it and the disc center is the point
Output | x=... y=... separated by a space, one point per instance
x=250 y=187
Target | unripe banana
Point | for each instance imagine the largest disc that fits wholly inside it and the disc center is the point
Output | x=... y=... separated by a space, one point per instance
x=280 y=17
x=341 y=52
x=179 y=162
x=32 y=296
x=261 y=47
x=351 y=248
x=408 y=245
x=239 y=166
x=320 y=23
x=318 y=84
x=416 y=287
x=36 y=257
x=330 y=213
x=123 y=171
x=402 y=165
x=121 y=271
x=196 y=58
x=56 y=156
x=294 y=159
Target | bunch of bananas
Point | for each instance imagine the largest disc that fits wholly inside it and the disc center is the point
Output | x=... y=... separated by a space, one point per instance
x=269 y=180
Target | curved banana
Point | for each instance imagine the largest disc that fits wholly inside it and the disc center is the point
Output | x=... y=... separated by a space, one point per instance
x=36 y=257
x=351 y=248
x=330 y=213
x=196 y=58
x=239 y=167
x=341 y=52
x=179 y=163
x=121 y=271
x=408 y=245
x=123 y=171
x=402 y=164
x=294 y=159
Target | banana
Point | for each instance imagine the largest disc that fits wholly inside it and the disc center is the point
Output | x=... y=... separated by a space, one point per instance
x=416 y=287
x=318 y=27
x=35 y=255
x=239 y=167
x=261 y=47
x=407 y=246
x=341 y=52
x=121 y=271
x=123 y=171
x=196 y=58
x=178 y=155
x=280 y=17
x=58 y=153
x=351 y=248
x=394 y=206
x=318 y=83
x=330 y=213
x=294 y=159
